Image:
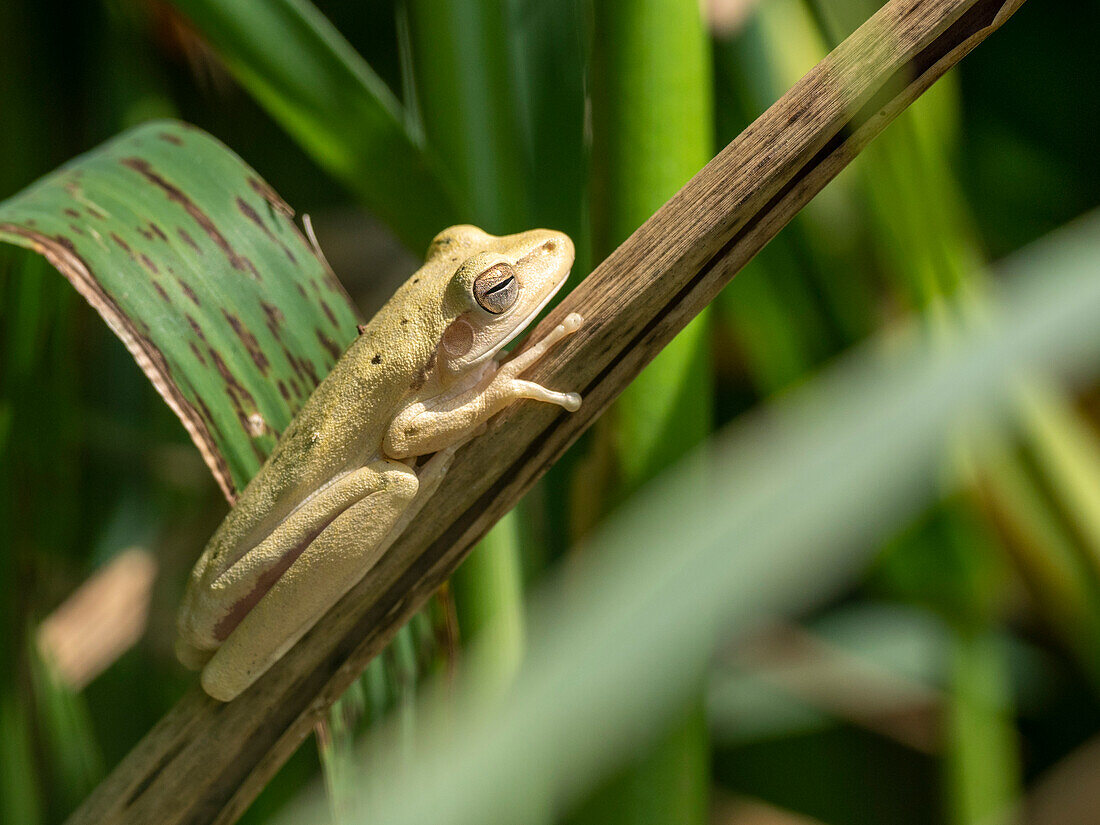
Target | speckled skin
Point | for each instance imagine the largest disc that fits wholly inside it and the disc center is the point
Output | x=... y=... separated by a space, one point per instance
x=343 y=479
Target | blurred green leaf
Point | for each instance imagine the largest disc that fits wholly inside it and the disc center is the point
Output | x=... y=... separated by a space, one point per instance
x=73 y=756
x=983 y=763
x=19 y=790
x=302 y=70
x=195 y=263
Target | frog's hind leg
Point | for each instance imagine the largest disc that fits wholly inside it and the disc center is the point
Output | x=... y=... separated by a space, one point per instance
x=326 y=569
x=212 y=609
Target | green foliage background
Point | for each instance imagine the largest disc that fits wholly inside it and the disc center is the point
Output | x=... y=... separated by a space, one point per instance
x=399 y=118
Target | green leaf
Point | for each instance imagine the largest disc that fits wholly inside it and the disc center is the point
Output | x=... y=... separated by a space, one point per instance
x=653 y=128
x=311 y=80
x=466 y=89
x=197 y=265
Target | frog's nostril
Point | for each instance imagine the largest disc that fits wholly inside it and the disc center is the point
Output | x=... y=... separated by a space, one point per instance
x=550 y=246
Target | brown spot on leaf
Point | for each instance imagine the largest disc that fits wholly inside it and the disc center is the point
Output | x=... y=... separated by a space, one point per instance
x=187 y=239
x=293 y=361
x=197 y=352
x=72 y=213
x=178 y=196
x=252 y=215
x=147 y=262
x=125 y=247
x=241 y=399
x=329 y=314
x=160 y=291
x=262 y=189
x=330 y=346
x=259 y=358
x=156 y=230
x=196 y=328
x=283 y=391
x=170 y=138
x=311 y=371
x=273 y=318
x=190 y=293
x=246 y=209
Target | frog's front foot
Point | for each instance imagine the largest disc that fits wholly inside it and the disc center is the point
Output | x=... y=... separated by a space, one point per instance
x=528 y=357
x=509 y=371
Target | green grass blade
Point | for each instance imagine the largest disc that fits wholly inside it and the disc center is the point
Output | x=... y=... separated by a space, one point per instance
x=302 y=70
x=652 y=130
x=19 y=788
x=462 y=65
x=548 y=41
x=195 y=263
x=983 y=765
x=68 y=739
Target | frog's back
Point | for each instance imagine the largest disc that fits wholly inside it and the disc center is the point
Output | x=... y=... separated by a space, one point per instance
x=341 y=425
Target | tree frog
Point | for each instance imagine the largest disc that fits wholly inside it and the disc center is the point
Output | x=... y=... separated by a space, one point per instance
x=371 y=444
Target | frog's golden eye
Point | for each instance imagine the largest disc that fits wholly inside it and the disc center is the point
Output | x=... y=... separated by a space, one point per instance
x=496 y=289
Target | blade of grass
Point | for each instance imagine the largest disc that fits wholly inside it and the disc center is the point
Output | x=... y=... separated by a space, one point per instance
x=652 y=130
x=19 y=786
x=462 y=63
x=983 y=768
x=68 y=743
x=549 y=56
x=299 y=67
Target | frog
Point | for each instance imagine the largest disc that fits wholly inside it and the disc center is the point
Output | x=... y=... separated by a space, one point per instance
x=372 y=443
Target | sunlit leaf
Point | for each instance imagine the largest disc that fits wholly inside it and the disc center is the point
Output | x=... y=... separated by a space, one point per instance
x=197 y=265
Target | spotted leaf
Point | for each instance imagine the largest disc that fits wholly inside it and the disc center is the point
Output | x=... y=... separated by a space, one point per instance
x=198 y=266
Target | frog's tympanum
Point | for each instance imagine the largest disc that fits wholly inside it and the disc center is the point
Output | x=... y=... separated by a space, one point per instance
x=371 y=444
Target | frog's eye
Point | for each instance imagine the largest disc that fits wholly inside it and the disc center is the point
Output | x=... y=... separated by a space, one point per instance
x=495 y=289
